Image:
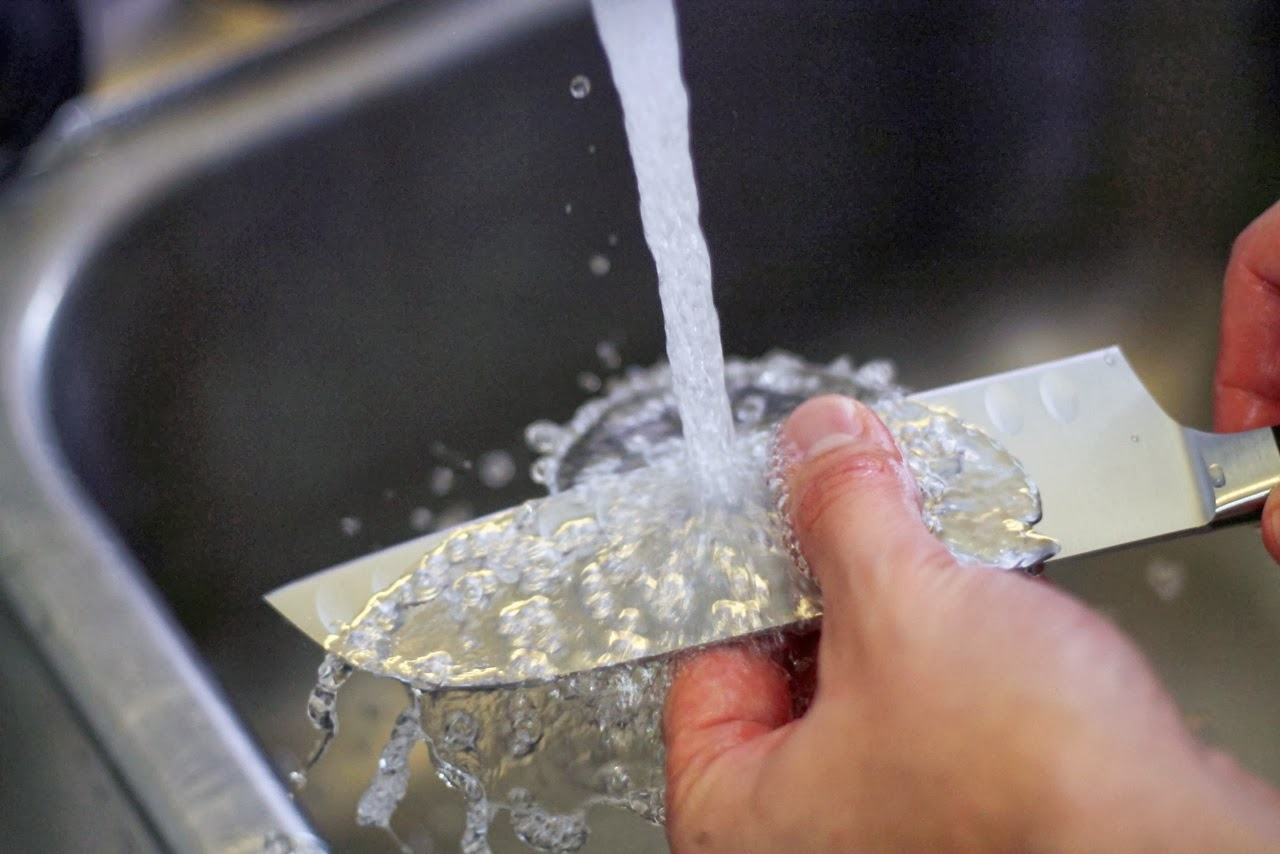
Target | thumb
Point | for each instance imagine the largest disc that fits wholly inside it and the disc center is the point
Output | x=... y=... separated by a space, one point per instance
x=854 y=506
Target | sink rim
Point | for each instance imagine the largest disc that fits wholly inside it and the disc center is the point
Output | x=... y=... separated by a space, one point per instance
x=155 y=712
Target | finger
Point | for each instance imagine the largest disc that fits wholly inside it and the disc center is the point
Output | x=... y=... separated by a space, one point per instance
x=1271 y=526
x=854 y=506
x=1257 y=799
x=721 y=707
x=1247 y=379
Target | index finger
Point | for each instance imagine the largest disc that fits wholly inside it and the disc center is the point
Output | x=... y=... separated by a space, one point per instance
x=722 y=701
x=1246 y=386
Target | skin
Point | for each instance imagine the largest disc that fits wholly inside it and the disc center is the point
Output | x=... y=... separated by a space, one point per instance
x=958 y=708
x=1246 y=386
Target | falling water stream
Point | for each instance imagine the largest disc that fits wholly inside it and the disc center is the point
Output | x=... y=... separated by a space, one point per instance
x=640 y=39
x=683 y=531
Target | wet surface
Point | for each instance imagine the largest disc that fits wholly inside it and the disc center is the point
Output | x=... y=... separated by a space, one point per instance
x=306 y=330
x=58 y=792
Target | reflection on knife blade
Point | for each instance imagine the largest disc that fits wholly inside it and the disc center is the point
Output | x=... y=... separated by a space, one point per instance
x=628 y=564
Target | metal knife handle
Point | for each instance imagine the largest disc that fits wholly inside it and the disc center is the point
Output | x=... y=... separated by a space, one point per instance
x=1239 y=470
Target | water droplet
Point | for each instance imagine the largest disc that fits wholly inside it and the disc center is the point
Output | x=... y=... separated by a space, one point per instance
x=526 y=727
x=1134 y=438
x=460 y=731
x=1003 y=408
x=458 y=548
x=433 y=668
x=526 y=620
x=530 y=664
x=591 y=149
x=877 y=375
x=544 y=437
x=613 y=779
x=429 y=579
x=589 y=382
x=420 y=519
x=735 y=618
x=612 y=240
x=599 y=264
x=580 y=86
x=543 y=470
x=631 y=620
x=1059 y=396
x=625 y=645
x=442 y=478
x=841 y=365
x=1110 y=360
x=350 y=526
x=750 y=409
x=496 y=469
x=454 y=514
x=607 y=353
x=449 y=457
x=469 y=593
x=1167 y=578
x=544 y=831
x=503 y=604
x=1217 y=476
x=568 y=208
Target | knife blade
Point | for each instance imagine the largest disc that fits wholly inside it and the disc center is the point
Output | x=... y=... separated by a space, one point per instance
x=1111 y=468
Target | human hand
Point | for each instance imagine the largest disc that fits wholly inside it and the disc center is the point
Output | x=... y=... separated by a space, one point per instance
x=956 y=707
x=1246 y=385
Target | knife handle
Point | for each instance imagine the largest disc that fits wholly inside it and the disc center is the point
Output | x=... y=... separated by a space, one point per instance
x=1238 y=470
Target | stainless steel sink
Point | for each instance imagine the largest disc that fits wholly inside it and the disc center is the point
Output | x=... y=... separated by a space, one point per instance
x=248 y=323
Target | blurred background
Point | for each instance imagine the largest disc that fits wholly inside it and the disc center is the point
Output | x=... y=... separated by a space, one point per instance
x=295 y=345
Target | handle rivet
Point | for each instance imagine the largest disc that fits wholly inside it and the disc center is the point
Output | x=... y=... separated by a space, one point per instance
x=1217 y=476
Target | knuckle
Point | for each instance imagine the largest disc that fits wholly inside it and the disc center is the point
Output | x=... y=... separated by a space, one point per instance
x=1251 y=246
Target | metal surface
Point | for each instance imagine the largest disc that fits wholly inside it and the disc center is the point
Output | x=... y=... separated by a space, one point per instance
x=148 y=49
x=1112 y=468
x=163 y=724
x=627 y=498
x=59 y=790
x=255 y=309
x=1241 y=470
x=320 y=603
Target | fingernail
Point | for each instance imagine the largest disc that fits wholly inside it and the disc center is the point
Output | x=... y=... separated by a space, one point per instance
x=822 y=424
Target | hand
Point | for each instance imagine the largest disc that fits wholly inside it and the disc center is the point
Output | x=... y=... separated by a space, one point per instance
x=956 y=707
x=1246 y=386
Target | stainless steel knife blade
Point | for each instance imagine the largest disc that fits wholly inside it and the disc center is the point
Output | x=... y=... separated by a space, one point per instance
x=1111 y=468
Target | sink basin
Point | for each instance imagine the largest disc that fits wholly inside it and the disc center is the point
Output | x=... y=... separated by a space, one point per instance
x=251 y=326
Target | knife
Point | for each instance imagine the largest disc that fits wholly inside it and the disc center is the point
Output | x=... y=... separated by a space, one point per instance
x=1111 y=467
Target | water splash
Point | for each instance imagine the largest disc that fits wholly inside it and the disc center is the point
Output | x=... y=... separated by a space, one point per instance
x=580 y=86
x=633 y=572
x=391 y=780
x=322 y=712
x=646 y=555
x=621 y=564
x=599 y=264
x=496 y=469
